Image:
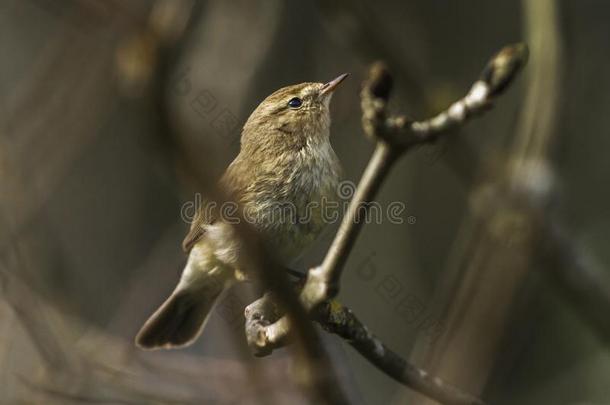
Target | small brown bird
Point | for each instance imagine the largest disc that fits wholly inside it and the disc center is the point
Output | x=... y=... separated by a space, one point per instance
x=286 y=166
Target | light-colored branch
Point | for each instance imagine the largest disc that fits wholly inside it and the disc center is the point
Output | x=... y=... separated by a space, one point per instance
x=335 y=318
x=393 y=136
x=323 y=281
x=497 y=75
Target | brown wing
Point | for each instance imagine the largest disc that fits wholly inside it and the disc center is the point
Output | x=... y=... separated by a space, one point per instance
x=234 y=181
x=229 y=182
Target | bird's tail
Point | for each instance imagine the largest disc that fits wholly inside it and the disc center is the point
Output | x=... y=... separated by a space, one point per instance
x=180 y=319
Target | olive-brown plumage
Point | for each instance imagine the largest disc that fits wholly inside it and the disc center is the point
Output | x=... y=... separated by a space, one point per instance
x=285 y=172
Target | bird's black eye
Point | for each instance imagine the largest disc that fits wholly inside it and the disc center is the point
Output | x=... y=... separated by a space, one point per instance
x=295 y=102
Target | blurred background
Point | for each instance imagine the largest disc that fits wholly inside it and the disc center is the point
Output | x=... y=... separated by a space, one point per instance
x=92 y=191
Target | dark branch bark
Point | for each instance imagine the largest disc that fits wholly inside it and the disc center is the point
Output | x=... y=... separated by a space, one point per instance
x=335 y=318
x=340 y=320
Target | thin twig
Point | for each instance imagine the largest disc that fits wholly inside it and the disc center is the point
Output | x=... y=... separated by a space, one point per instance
x=340 y=320
x=393 y=136
x=335 y=318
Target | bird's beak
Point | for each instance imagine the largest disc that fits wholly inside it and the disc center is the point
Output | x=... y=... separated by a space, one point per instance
x=329 y=87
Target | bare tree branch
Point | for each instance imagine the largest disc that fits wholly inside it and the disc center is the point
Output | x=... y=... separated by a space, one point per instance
x=340 y=320
x=393 y=136
x=336 y=318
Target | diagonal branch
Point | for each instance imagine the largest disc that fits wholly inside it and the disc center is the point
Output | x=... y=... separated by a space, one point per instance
x=340 y=320
x=335 y=318
x=393 y=136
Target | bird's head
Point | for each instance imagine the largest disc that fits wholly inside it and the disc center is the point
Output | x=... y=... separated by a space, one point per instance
x=291 y=115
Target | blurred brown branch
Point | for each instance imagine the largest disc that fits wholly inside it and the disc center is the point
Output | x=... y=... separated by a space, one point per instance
x=510 y=230
x=498 y=243
x=96 y=367
x=145 y=59
x=317 y=373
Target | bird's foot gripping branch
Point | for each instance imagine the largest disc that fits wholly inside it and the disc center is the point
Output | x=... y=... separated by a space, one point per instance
x=393 y=135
